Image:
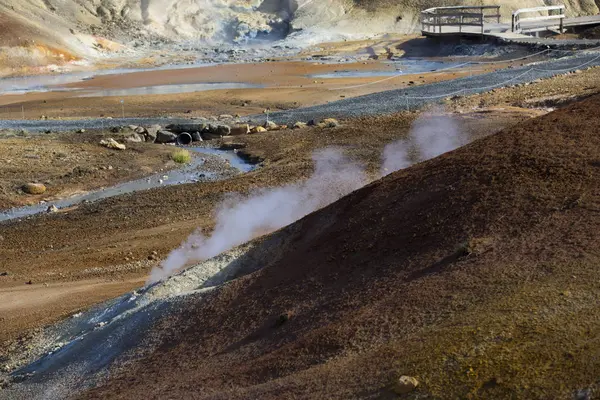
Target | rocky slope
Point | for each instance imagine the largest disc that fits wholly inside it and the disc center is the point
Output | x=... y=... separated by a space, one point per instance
x=475 y=272
x=47 y=31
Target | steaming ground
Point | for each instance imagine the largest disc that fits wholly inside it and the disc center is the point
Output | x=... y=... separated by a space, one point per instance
x=459 y=271
x=239 y=220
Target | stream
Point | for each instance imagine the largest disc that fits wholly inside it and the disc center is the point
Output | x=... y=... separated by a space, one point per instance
x=190 y=173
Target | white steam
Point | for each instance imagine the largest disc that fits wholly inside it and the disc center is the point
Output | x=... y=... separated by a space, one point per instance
x=268 y=210
x=239 y=220
x=430 y=136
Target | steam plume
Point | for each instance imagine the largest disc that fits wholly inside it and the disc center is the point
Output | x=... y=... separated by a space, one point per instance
x=431 y=135
x=241 y=219
x=268 y=210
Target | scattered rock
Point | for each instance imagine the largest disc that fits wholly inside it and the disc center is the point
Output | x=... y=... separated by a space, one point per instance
x=270 y=125
x=151 y=133
x=258 y=129
x=135 y=138
x=223 y=130
x=81 y=131
x=240 y=130
x=164 y=136
x=34 y=188
x=299 y=125
x=405 y=384
x=52 y=209
x=180 y=128
x=330 y=123
x=112 y=144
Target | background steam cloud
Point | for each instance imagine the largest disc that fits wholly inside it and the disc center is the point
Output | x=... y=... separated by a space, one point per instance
x=240 y=219
x=431 y=135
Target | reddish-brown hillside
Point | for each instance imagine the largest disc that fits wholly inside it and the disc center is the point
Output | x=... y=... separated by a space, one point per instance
x=475 y=272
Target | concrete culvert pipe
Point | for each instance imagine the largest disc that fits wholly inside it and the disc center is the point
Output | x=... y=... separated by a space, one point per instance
x=184 y=138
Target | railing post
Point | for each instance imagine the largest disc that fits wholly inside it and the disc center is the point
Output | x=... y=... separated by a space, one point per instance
x=512 y=25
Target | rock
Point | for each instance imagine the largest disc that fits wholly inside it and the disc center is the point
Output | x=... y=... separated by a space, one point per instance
x=299 y=125
x=225 y=117
x=81 y=131
x=180 y=128
x=164 y=136
x=135 y=138
x=34 y=188
x=223 y=130
x=196 y=137
x=311 y=123
x=112 y=144
x=240 y=130
x=405 y=384
x=151 y=133
x=132 y=127
x=52 y=209
x=258 y=129
x=330 y=123
x=140 y=130
x=270 y=125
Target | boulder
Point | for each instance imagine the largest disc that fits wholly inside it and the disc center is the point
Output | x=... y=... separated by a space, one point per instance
x=240 y=130
x=299 y=125
x=270 y=125
x=135 y=138
x=140 y=130
x=112 y=144
x=164 y=136
x=151 y=133
x=180 y=128
x=330 y=123
x=223 y=130
x=405 y=384
x=258 y=129
x=34 y=188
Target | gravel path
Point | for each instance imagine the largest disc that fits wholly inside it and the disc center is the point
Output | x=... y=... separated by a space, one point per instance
x=386 y=102
x=392 y=101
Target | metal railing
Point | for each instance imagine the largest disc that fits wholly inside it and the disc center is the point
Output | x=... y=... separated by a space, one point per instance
x=556 y=14
x=435 y=18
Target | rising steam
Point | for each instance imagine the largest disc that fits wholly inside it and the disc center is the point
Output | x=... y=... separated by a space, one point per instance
x=239 y=220
x=430 y=136
x=268 y=210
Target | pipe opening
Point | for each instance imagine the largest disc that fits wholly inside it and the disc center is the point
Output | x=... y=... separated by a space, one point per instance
x=184 y=138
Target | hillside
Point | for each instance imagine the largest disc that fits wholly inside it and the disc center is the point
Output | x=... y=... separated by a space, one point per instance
x=46 y=32
x=475 y=272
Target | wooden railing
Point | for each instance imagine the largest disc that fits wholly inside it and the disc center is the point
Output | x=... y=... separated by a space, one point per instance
x=434 y=19
x=555 y=13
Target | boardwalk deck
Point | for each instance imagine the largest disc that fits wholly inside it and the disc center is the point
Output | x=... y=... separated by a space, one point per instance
x=470 y=21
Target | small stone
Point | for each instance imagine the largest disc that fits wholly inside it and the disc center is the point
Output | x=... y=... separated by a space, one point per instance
x=299 y=125
x=34 y=188
x=52 y=209
x=258 y=129
x=112 y=144
x=330 y=123
x=405 y=384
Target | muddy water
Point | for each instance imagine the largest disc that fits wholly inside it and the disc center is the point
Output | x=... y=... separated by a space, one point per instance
x=406 y=66
x=192 y=172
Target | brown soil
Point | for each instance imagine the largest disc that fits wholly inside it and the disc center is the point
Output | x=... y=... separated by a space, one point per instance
x=475 y=272
x=72 y=163
x=286 y=85
x=113 y=239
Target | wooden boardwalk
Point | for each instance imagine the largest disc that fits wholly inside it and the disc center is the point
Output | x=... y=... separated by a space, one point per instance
x=470 y=21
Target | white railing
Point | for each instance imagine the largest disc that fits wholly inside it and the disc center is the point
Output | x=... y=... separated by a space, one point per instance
x=433 y=19
x=556 y=14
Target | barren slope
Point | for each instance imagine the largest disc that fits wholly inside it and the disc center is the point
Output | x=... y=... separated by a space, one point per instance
x=476 y=272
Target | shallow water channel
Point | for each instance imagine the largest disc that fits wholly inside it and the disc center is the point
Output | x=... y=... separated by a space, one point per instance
x=192 y=172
